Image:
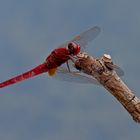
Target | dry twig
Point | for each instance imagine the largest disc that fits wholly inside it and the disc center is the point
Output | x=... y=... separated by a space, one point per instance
x=103 y=70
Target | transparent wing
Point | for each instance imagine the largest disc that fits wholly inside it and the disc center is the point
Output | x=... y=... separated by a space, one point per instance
x=74 y=76
x=118 y=70
x=85 y=37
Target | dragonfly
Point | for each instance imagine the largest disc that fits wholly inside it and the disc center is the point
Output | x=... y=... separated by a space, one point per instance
x=62 y=54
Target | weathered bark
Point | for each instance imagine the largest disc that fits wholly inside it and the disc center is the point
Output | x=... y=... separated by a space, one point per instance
x=102 y=70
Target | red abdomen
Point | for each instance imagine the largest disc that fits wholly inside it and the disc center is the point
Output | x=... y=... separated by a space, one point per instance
x=31 y=73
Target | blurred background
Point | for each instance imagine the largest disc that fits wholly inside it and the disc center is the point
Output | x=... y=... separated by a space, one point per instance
x=43 y=108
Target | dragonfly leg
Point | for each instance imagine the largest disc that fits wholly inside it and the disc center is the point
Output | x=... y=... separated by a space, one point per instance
x=68 y=66
x=72 y=58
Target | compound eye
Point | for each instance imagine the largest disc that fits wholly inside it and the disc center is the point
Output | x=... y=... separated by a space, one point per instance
x=71 y=48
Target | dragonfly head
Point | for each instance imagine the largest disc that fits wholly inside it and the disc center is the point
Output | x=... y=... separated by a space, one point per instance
x=73 y=48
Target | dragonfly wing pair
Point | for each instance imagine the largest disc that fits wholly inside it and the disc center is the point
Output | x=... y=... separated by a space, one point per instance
x=76 y=76
x=84 y=38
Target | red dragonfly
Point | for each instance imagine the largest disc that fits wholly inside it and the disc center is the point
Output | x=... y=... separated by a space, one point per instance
x=58 y=57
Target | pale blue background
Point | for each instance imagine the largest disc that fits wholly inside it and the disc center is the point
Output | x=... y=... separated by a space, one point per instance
x=46 y=109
